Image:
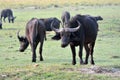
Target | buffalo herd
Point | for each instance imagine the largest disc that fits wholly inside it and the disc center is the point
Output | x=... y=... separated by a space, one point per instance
x=79 y=30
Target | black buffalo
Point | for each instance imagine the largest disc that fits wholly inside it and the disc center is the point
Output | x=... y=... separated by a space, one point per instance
x=7 y=13
x=34 y=33
x=0 y=24
x=48 y=21
x=82 y=31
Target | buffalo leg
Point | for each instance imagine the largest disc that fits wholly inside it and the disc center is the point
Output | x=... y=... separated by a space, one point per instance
x=91 y=52
x=9 y=20
x=4 y=19
x=33 y=46
x=40 y=51
x=1 y=18
x=87 y=49
x=80 y=54
x=73 y=54
x=45 y=35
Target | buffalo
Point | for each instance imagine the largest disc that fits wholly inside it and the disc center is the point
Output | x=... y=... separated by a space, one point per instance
x=7 y=13
x=48 y=21
x=81 y=31
x=34 y=33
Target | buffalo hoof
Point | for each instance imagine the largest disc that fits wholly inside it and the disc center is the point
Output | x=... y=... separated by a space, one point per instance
x=81 y=62
x=41 y=59
x=85 y=63
x=34 y=60
x=92 y=62
x=73 y=62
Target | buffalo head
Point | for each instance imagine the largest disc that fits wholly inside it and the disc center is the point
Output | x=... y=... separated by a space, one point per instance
x=65 y=33
x=11 y=19
x=23 y=42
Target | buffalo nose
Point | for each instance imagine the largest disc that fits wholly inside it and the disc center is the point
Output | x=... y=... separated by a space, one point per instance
x=21 y=50
x=63 y=45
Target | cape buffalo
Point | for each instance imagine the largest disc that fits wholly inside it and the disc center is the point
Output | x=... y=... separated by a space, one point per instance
x=34 y=33
x=82 y=31
x=0 y=24
x=48 y=21
x=7 y=13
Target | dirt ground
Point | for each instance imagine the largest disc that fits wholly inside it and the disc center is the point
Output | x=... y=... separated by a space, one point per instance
x=115 y=72
x=101 y=70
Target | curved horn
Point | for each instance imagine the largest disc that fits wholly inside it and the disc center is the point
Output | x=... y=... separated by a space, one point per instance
x=18 y=35
x=54 y=29
x=73 y=29
x=62 y=24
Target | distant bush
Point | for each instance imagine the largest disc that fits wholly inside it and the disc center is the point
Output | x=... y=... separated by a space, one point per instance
x=44 y=3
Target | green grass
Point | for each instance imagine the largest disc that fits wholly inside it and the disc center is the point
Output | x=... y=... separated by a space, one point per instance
x=15 y=65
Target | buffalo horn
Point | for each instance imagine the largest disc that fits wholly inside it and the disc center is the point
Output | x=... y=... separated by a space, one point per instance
x=73 y=29
x=18 y=35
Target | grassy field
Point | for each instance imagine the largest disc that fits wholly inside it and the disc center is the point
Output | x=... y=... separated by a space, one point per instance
x=15 y=65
